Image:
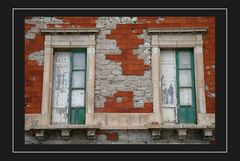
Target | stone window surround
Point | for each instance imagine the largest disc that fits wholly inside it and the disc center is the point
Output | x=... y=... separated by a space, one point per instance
x=64 y=38
x=172 y=38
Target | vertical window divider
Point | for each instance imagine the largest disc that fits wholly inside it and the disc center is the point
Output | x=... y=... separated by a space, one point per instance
x=177 y=86
x=70 y=89
x=193 y=81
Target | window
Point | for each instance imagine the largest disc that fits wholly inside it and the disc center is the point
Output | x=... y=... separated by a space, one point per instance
x=68 y=80
x=177 y=64
x=178 y=87
x=69 y=87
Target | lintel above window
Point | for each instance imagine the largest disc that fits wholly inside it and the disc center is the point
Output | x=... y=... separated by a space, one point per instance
x=70 y=30
x=176 y=30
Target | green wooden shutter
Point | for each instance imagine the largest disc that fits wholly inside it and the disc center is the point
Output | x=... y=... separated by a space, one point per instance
x=185 y=86
x=77 y=108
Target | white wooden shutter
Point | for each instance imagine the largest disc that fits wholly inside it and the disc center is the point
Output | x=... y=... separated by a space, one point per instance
x=168 y=80
x=61 y=82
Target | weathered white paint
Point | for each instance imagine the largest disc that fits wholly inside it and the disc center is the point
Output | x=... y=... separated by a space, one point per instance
x=61 y=83
x=77 y=98
x=168 y=84
x=169 y=115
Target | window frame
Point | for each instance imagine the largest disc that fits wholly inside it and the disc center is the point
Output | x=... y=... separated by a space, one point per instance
x=65 y=38
x=175 y=38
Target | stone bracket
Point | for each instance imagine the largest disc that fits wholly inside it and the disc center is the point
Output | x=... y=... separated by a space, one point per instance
x=182 y=133
x=91 y=134
x=40 y=134
x=156 y=133
x=65 y=133
x=207 y=134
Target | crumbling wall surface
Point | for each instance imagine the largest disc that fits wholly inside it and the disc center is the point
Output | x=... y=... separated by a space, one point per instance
x=123 y=58
x=116 y=137
x=122 y=64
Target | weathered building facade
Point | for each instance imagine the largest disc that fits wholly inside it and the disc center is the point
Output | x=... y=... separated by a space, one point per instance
x=119 y=80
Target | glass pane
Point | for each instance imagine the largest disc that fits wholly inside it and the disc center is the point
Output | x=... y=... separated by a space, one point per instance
x=61 y=79
x=77 y=98
x=184 y=59
x=78 y=79
x=78 y=61
x=185 y=79
x=185 y=96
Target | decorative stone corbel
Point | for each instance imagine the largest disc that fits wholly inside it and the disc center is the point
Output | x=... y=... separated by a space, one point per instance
x=155 y=129
x=65 y=133
x=91 y=134
x=40 y=134
x=182 y=133
x=207 y=134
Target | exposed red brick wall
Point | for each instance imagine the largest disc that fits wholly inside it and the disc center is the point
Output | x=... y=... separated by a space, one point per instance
x=127 y=41
x=125 y=105
x=33 y=45
x=33 y=74
x=33 y=86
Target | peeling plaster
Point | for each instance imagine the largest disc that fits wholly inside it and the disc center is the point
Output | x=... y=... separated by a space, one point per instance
x=211 y=95
x=38 y=56
x=40 y=22
x=109 y=78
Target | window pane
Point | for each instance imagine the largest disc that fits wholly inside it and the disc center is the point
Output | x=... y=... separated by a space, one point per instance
x=78 y=79
x=185 y=96
x=78 y=61
x=185 y=78
x=184 y=59
x=77 y=98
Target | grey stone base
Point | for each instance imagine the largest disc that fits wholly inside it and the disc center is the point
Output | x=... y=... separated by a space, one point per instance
x=156 y=136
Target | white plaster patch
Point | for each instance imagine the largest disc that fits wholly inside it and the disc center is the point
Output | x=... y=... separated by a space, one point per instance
x=211 y=95
x=38 y=56
x=40 y=22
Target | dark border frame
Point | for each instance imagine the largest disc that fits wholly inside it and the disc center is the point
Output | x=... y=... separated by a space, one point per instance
x=18 y=145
